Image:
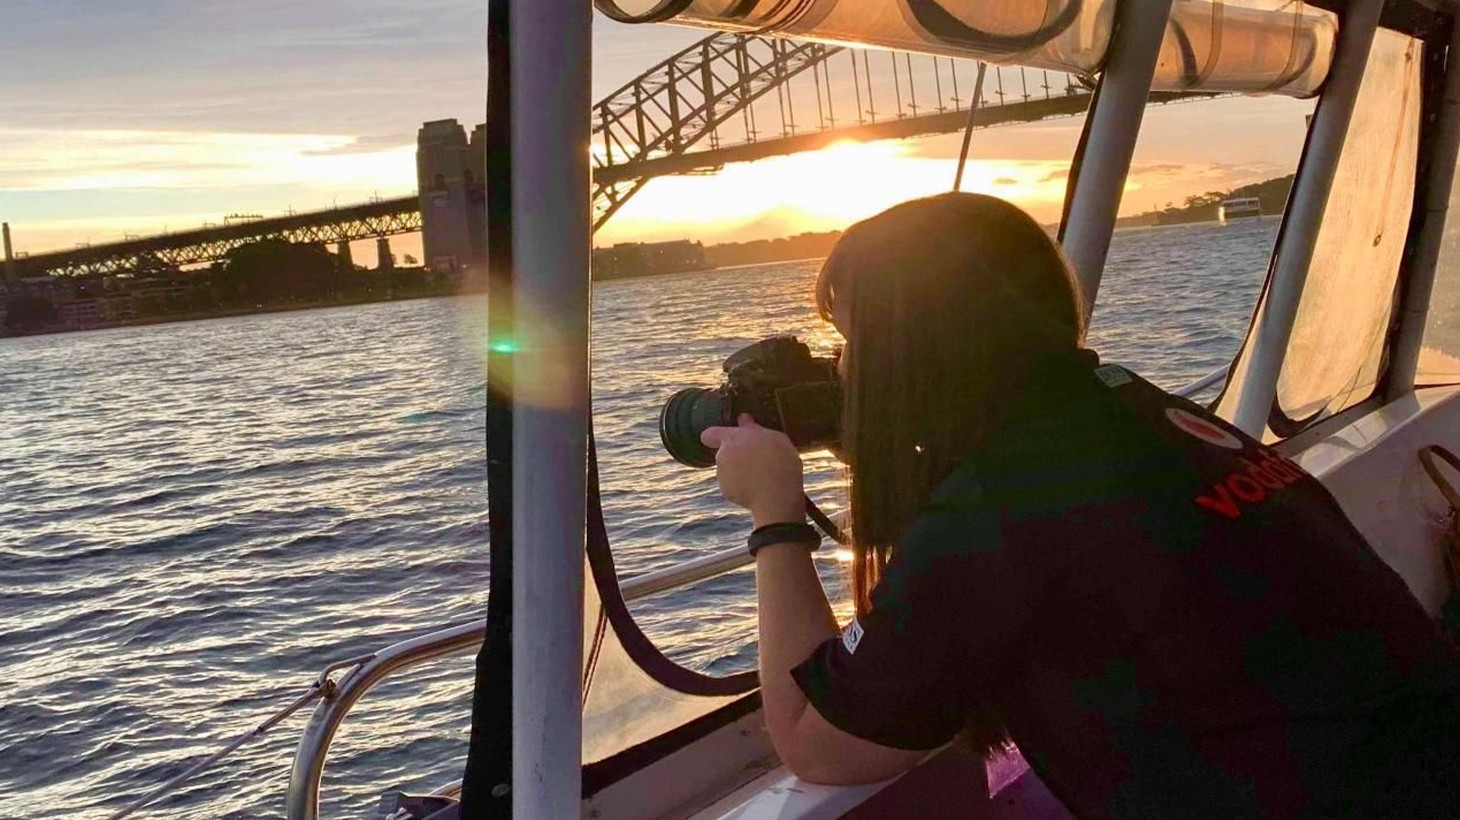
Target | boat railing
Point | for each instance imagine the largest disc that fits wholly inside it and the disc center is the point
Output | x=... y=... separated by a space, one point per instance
x=363 y=673
x=1217 y=377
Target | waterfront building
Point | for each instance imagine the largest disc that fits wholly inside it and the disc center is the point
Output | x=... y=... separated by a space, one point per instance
x=647 y=259
x=82 y=313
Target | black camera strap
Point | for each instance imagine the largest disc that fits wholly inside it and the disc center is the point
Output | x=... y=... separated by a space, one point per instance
x=824 y=523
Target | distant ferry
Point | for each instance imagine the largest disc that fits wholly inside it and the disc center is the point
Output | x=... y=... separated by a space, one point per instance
x=1239 y=208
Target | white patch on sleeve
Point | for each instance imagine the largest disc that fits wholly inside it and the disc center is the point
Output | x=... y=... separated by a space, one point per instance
x=1113 y=375
x=851 y=636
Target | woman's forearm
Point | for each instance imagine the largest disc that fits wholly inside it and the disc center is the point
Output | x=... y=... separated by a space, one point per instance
x=795 y=618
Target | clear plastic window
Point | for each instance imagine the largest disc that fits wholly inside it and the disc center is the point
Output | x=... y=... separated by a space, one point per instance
x=1198 y=221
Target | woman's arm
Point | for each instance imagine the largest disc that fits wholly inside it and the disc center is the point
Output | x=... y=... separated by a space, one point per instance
x=759 y=469
x=795 y=619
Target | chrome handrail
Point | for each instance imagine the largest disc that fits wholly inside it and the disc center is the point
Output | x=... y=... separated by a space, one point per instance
x=1218 y=375
x=309 y=758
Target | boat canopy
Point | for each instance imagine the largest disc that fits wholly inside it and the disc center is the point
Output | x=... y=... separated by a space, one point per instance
x=1245 y=46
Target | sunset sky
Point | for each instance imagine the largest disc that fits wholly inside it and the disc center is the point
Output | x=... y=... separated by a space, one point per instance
x=158 y=114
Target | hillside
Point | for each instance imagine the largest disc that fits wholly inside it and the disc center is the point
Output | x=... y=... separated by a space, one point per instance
x=801 y=246
x=1273 y=194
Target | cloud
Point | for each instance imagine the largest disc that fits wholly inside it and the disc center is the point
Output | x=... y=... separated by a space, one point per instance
x=45 y=160
x=1058 y=175
x=1005 y=181
x=281 y=66
x=1167 y=169
x=368 y=145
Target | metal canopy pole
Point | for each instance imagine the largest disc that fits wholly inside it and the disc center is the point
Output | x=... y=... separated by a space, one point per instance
x=1274 y=326
x=1421 y=285
x=1113 y=127
x=551 y=105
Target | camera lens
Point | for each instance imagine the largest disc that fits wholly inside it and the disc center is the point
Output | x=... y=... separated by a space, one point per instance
x=687 y=414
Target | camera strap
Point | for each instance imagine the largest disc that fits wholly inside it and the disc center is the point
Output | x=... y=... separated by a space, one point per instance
x=824 y=523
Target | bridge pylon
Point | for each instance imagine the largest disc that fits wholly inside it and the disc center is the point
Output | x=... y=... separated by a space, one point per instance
x=386 y=259
x=451 y=172
x=9 y=252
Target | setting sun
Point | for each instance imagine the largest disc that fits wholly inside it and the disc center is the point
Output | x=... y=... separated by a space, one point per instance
x=821 y=190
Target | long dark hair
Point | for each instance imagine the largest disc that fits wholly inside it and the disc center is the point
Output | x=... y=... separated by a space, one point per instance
x=954 y=299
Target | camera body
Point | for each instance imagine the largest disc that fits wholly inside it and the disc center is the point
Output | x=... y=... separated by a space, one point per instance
x=778 y=382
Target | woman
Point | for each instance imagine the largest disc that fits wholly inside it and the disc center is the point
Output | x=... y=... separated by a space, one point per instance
x=1167 y=617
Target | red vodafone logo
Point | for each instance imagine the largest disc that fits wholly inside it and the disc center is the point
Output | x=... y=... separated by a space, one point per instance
x=1199 y=427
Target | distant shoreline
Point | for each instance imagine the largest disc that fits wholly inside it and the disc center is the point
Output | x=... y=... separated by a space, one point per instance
x=226 y=313
x=229 y=313
x=714 y=269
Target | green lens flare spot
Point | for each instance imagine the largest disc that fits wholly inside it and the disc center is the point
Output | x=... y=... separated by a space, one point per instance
x=504 y=347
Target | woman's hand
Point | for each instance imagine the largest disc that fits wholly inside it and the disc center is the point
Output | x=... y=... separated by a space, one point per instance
x=759 y=469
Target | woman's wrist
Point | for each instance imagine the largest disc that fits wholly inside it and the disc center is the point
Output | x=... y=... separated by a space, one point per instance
x=793 y=534
x=783 y=512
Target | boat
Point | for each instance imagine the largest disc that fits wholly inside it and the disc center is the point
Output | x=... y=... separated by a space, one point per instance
x=577 y=714
x=1244 y=207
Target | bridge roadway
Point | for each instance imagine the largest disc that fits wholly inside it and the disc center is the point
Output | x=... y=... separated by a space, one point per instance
x=386 y=217
x=391 y=217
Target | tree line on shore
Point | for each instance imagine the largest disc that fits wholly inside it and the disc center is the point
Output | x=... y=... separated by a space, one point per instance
x=1272 y=193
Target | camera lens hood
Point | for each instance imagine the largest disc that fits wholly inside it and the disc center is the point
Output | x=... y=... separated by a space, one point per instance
x=688 y=413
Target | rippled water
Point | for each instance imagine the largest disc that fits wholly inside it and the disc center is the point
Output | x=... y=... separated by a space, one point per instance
x=195 y=518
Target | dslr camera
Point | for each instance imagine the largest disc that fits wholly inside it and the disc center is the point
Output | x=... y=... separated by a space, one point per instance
x=778 y=382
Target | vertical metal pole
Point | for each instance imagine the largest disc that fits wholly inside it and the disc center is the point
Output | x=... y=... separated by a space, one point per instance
x=897 y=86
x=1290 y=263
x=606 y=119
x=551 y=50
x=830 y=107
x=676 y=127
x=912 y=89
x=780 y=72
x=743 y=89
x=1114 y=125
x=707 y=86
x=781 y=106
x=968 y=127
x=938 y=86
x=9 y=252
x=639 y=116
x=867 y=74
x=1414 y=312
x=820 y=112
x=790 y=104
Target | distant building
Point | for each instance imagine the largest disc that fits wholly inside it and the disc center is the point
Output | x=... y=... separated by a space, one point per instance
x=451 y=175
x=34 y=300
x=118 y=307
x=647 y=259
x=82 y=313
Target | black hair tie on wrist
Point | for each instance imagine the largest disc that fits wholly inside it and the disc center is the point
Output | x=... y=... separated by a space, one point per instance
x=797 y=533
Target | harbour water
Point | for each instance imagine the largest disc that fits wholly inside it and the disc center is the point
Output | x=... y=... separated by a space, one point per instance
x=195 y=518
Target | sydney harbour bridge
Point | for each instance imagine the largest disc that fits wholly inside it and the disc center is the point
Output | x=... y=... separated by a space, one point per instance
x=727 y=98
